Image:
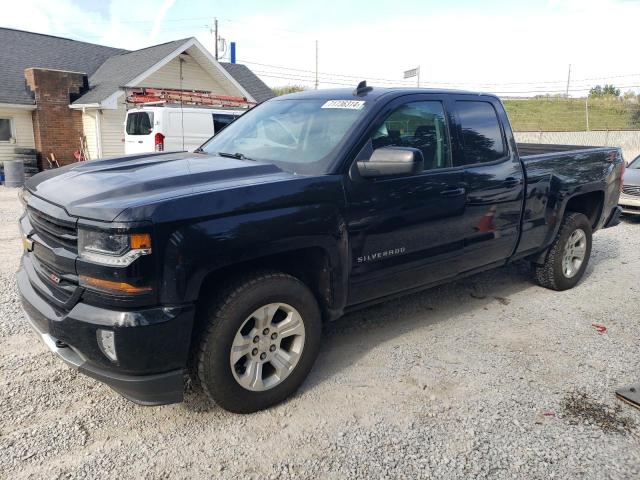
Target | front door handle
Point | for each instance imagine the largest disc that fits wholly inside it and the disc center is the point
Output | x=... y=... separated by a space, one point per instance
x=453 y=192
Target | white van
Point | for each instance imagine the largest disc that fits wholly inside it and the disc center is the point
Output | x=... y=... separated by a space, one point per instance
x=171 y=128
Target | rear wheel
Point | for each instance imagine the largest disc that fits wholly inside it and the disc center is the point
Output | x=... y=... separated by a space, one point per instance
x=568 y=255
x=261 y=340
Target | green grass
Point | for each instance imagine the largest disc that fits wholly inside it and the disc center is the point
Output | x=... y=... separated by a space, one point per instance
x=556 y=114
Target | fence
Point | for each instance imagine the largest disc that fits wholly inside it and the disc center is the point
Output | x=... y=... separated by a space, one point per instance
x=628 y=140
x=561 y=114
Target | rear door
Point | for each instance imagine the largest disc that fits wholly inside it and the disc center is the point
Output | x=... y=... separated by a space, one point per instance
x=139 y=132
x=406 y=231
x=493 y=180
x=187 y=130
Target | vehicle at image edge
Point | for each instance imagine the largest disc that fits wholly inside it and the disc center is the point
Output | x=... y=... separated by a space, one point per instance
x=169 y=128
x=630 y=196
x=225 y=262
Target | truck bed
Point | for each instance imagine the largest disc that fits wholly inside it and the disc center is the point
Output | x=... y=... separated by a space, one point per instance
x=529 y=149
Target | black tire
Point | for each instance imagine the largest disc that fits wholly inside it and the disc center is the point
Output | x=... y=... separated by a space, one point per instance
x=225 y=317
x=551 y=274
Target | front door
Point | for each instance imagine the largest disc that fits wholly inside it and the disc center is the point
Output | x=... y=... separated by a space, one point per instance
x=406 y=231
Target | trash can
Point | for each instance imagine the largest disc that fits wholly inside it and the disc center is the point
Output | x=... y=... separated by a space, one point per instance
x=13 y=173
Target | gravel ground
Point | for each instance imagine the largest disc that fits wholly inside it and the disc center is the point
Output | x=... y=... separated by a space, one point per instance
x=489 y=377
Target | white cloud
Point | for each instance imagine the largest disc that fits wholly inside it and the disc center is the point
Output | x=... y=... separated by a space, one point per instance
x=467 y=50
x=127 y=27
x=157 y=21
x=460 y=48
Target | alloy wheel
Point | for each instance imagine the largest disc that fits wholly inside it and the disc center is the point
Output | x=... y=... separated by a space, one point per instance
x=574 y=252
x=267 y=347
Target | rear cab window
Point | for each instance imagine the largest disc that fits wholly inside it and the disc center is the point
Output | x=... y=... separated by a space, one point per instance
x=481 y=133
x=139 y=123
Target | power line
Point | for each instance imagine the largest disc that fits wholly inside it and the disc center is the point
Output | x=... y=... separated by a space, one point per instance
x=178 y=20
x=344 y=82
x=560 y=83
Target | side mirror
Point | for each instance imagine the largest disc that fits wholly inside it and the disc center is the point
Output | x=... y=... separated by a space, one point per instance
x=390 y=161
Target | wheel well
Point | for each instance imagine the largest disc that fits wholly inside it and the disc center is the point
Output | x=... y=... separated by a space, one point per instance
x=589 y=204
x=310 y=265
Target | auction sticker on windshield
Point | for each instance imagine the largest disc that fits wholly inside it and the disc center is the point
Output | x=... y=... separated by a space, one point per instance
x=348 y=104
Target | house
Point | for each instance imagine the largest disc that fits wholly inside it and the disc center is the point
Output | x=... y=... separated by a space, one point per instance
x=55 y=91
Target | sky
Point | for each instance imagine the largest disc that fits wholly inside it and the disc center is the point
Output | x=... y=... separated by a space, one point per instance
x=512 y=48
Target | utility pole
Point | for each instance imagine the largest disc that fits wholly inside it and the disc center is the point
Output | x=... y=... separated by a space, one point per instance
x=568 y=80
x=418 y=75
x=586 y=110
x=215 y=35
x=316 y=64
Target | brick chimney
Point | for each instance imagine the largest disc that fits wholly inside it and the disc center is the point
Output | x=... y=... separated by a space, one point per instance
x=56 y=128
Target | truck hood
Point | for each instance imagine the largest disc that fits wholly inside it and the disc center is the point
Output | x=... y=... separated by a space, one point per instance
x=102 y=189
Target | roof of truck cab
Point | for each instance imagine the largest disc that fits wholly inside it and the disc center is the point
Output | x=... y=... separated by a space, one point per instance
x=375 y=93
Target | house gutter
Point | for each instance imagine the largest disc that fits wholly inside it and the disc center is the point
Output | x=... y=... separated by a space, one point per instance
x=17 y=106
x=84 y=106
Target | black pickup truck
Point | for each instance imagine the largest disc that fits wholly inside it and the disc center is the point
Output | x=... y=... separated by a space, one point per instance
x=224 y=263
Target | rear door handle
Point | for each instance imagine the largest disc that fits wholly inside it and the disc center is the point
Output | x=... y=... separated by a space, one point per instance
x=453 y=192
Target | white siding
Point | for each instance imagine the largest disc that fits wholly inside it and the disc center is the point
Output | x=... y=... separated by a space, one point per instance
x=194 y=77
x=89 y=130
x=22 y=129
x=112 y=126
x=628 y=140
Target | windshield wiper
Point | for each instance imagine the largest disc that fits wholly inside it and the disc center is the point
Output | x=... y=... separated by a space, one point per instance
x=237 y=155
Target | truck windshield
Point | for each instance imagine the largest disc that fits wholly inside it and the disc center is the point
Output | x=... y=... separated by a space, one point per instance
x=299 y=136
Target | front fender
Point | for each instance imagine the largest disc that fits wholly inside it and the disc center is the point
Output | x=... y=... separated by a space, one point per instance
x=196 y=250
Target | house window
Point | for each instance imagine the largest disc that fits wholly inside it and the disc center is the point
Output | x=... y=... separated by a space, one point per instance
x=6 y=130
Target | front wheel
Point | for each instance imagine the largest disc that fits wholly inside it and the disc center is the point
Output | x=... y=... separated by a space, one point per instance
x=261 y=341
x=568 y=255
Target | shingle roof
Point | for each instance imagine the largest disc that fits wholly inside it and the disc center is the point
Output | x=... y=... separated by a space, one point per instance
x=249 y=81
x=120 y=69
x=20 y=50
x=107 y=68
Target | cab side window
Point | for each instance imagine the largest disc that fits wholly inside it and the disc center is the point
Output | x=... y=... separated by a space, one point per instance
x=482 y=139
x=420 y=125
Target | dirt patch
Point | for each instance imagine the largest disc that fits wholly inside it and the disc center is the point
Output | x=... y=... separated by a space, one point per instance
x=578 y=407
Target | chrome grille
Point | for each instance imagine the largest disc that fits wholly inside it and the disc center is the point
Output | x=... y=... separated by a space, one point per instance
x=60 y=231
x=631 y=190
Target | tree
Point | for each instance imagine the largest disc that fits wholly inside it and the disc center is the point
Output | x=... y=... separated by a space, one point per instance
x=606 y=91
x=288 y=89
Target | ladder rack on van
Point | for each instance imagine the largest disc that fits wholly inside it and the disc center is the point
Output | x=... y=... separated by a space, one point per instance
x=164 y=96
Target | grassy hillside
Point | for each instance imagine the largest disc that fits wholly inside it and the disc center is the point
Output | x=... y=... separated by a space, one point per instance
x=562 y=114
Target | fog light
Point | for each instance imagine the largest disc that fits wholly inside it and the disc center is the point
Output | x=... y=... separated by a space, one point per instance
x=107 y=344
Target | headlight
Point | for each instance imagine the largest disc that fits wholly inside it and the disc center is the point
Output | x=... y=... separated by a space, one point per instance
x=114 y=249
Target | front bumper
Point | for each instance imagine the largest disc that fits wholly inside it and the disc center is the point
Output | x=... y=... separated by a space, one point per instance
x=152 y=344
x=630 y=204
